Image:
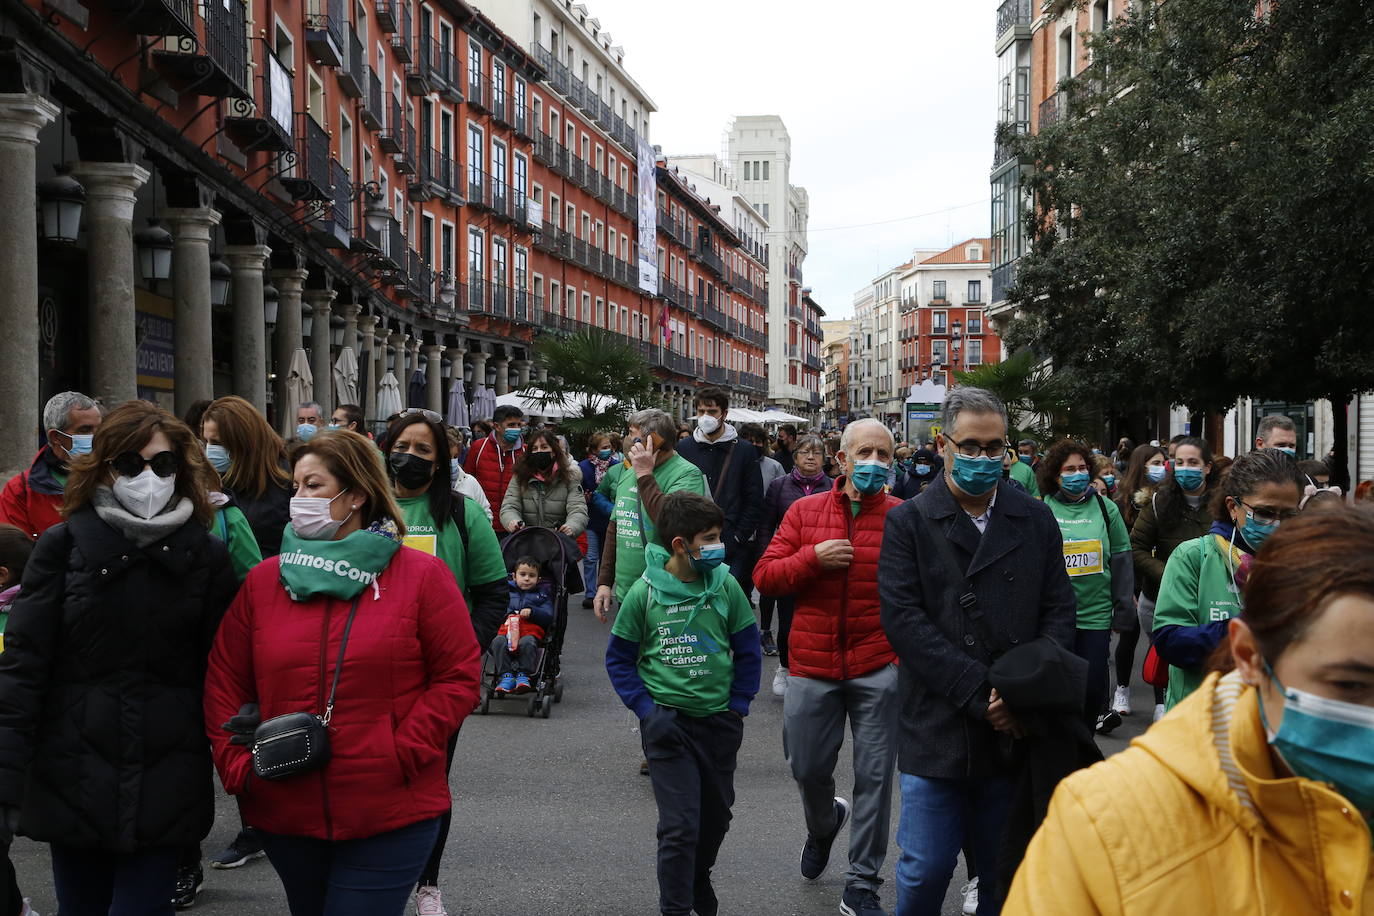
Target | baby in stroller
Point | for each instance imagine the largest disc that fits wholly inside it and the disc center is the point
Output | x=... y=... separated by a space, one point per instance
x=530 y=613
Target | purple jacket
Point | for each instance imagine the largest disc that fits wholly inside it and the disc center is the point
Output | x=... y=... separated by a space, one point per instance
x=782 y=493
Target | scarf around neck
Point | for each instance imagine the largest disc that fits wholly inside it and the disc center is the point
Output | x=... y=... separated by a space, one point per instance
x=141 y=531
x=336 y=569
x=672 y=590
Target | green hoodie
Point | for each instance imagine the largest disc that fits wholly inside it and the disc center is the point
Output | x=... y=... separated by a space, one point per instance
x=683 y=630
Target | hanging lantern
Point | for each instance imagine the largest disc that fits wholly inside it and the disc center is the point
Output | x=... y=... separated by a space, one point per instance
x=220 y=275
x=154 y=251
x=270 y=296
x=61 y=200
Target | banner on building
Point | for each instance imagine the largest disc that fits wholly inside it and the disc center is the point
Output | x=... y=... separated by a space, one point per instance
x=156 y=356
x=648 y=219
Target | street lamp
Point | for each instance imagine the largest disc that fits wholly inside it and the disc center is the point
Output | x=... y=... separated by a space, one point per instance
x=154 y=251
x=375 y=213
x=448 y=292
x=61 y=198
x=220 y=275
x=270 y=298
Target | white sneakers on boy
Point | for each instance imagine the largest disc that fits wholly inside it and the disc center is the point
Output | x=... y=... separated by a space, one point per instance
x=780 y=682
x=1121 y=701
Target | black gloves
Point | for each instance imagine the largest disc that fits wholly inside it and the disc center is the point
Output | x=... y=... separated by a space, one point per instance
x=243 y=725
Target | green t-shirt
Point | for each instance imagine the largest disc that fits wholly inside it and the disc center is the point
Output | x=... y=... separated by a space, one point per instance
x=677 y=473
x=1089 y=545
x=231 y=527
x=684 y=656
x=474 y=563
x=1024 y=474
x=1197 y=589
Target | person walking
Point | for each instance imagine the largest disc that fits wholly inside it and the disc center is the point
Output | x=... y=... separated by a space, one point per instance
x=825 y=555
x=250 y=459
x=1204 y=579
x=459 y=480
x=970 y=541
x=785 y=453
x=349 y=625
x=1277 y=431
x=32 y=499
x=924 y=468
x=545 y=490
x=349 y=417
x=1097 y=557
x=491 y=459
x=102 y=746
x=1254 y=794
x=600 y=457
x=805 y=479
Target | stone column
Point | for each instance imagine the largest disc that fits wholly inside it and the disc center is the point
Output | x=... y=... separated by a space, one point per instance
x=541 y=375
x=250 y=329
x=110 y=190
x=321 y=366
x=350 y=337
x=434 y=378
x=398 y=358
x=22 y=116
x=195 y=360
x=479 y=372
x=502 y=376
x=286 y=340
x=522 y=373
x=456 y=360
x=367 y=330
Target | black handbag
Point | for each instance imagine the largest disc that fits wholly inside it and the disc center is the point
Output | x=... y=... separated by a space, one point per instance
x=298 y=742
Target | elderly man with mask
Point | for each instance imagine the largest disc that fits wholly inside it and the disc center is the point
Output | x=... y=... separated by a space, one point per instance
x=32 y=500
x=825 y=555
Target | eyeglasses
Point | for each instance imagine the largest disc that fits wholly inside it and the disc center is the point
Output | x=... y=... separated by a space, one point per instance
x=1265 y=515
x=429 y=415
x=131 y=464
x=972 y=448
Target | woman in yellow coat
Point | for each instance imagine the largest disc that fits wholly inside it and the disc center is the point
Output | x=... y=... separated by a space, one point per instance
x=1254 y=795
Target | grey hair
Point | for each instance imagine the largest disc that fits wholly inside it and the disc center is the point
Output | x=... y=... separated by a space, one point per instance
x=57 y=413
x=653 y=421
x=809 y=441
x=974 y=400
x=304 y=404
x=847 y=436
x=1272 y=422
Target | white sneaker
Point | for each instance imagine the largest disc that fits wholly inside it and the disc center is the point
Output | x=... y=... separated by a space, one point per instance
x=1121 y=701
x=428 y=902
x=1159 y=711
x=780 y=682
x=970 y=894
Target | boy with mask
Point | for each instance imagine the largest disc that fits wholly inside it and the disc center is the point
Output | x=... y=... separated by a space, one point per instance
x=684 y=657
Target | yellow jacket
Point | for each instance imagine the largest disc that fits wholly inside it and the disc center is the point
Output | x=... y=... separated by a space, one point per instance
x=1192 y=819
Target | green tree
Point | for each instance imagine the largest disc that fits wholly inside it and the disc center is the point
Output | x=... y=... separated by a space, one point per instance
x=1201 y=227
x=1040 y=403
x=602 y=374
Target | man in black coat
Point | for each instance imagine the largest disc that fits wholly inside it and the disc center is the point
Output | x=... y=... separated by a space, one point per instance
x=733 y=479
x=947 y=626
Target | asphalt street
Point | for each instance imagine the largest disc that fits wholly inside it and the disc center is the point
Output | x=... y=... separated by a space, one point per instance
x=552 y=817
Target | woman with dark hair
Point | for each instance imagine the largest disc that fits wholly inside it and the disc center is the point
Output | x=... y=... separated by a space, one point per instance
x=546 y=489
x=454 y=528
x=348 y=625
x=1097 y=556
x=1255 y=795
x=102 y=743
x=1147 y=469
x=1201 y=588
x=250 y=459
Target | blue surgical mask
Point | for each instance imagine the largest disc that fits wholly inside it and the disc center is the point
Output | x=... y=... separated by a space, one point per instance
x=218 y=456
x=1156 y=472
x=711 y=556
x=81 y=444
x=922 y=469
x=604 y=454
x=976 y=476
x=512 y=436
x=1254 y=532
x=336 y=426
x=1290 y=452
x=454 y=466
x=1189 y=478
x=1026 y=459
x=306 y=431
x=1109 y=480
x=1327 y=741
x=869 y=477
x=1074 y=484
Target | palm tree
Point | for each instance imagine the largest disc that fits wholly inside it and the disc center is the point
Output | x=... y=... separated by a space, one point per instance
x=604 y=375
x=1038 y=402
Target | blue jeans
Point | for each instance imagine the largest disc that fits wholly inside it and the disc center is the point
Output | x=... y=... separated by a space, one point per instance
x=590 y=561
x=372 y=876
x=937 y=816
x=95 y=882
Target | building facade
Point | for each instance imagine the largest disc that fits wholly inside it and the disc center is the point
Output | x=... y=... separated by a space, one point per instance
x=835 y=392
x=943 y=324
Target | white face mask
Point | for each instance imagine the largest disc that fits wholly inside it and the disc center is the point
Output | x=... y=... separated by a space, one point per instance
x=708 y=424
x=145 y=495
x=311 y=520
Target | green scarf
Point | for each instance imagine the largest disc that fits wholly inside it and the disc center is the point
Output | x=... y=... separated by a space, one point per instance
x=670 y=590
x=337 y=569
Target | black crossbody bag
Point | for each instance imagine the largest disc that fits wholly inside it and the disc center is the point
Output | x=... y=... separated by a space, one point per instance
x=298 y=742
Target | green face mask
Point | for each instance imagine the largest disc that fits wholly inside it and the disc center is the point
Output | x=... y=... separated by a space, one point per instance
x=335 y=569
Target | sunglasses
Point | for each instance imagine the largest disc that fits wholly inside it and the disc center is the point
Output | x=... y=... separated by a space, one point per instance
x=131 y=464
x=429 y=415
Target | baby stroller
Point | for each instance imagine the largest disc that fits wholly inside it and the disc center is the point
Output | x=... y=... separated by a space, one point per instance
x=560 y=564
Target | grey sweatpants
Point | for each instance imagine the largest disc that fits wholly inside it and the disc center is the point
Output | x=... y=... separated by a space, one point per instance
x=813 y=715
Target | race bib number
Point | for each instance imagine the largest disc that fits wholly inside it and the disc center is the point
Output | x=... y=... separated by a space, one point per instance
x=425 y=542
x=1083 y=558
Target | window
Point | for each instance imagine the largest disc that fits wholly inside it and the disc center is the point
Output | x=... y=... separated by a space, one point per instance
x=975 y=322
x=475 y=156
x=477 y=258
x=285 y=46
x=765 y=170
x=520 y=98
x=498 y=81
x=427 y=238
x=498 y=168
x=586 y=307
x=345 y=141
x=938 y=324
x=446 y=249
x=975 y=353
x=765 y=211
x=498 y=262
x=938 y=291
x=555 y=212
x=315 y=99
x=519 y=179
x=474 y=63
x=939 y=352
x=975 y=291
x=522 y=268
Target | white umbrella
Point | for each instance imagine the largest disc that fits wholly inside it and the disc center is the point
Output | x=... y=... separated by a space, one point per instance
x=457 y=405
x=389 y=397
x=777 y=415
x=346 y=376
x=300 y=388
x=529 y=401
x=743 y=415
x=483 y=402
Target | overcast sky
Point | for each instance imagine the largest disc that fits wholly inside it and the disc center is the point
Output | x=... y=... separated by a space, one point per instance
x=890 y=104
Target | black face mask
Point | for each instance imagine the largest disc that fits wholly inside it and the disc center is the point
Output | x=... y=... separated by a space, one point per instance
x=411 y=471
x=541 y=461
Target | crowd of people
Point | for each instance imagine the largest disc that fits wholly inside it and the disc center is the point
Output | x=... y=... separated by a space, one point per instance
x=314 y=615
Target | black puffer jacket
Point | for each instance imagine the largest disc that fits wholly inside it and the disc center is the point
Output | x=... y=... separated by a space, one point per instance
x=102 y=741
x=268 y=515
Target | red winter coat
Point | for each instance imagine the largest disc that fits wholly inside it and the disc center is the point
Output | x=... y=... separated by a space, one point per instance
x=836 y=633
x=493 y=469
x=409 y=679
x=32 y=500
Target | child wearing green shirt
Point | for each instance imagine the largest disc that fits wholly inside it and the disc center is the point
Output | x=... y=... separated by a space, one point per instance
x=684 y=656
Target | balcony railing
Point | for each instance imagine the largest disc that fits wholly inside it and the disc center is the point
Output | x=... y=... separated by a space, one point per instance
x=443 y=66
x=156 y=17
x=265 y=123
x=353 y=74
x=1002 y=279
x=387 y=14
x=373 y=113
x=324 y=31
x=1012 y=13
x=479 y=91
x=310 y=179
x=391 y=138
x=215 y=65
x=400 y=41
x=1052 y=109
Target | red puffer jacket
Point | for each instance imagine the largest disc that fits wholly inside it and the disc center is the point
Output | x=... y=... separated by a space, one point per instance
x=409 y=678
x=493 y=469
x=836 y=633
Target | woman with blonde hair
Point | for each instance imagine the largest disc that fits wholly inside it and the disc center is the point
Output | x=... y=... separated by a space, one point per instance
x=249 y=456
